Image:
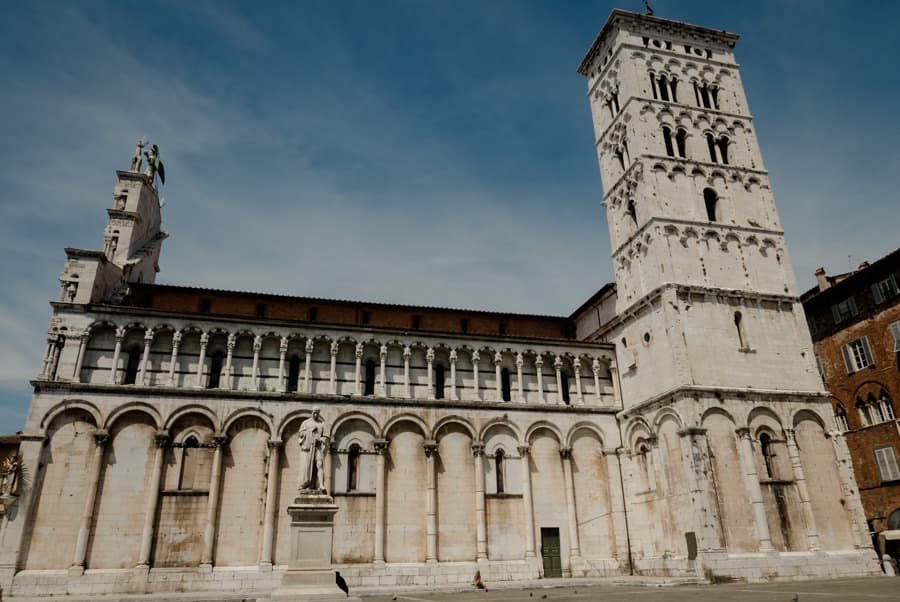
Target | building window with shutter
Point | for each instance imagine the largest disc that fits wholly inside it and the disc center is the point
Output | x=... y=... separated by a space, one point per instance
x=857 y=355
x=886 y=458
x=844 y=310
x=840 y=420
x=895 y=332
x=884 y=290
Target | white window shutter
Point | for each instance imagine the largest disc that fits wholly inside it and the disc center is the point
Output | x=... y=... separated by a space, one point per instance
x=886 y=458
x=895 y=330
x=849 y=364
x=876 y=294
x=868 y=351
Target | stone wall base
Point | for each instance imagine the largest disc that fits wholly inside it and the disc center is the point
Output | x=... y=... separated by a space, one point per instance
x=723 y=567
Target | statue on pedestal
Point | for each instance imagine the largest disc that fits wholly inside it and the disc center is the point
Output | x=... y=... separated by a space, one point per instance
x=137 y=159
x=9 y=475
x=313 y=447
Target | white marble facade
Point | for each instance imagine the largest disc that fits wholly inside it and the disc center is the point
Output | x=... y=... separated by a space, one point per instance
x=680 y=432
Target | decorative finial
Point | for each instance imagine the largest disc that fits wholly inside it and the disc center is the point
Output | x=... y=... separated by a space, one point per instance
x=647 y=6
x=137 y=158
x=154 y=165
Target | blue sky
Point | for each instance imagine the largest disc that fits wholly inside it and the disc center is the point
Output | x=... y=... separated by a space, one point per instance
x=414 y=152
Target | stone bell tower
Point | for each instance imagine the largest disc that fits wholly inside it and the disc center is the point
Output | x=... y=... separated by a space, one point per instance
x=132 y=239
x=705 y=291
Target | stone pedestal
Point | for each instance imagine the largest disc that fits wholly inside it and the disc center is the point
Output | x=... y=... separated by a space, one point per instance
x=309 y=576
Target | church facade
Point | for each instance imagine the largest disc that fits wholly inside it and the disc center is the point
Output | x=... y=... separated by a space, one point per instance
x=674 y=425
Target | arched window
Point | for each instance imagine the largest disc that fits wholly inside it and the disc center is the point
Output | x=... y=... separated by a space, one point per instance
x=195 y=471
x=131 y=365
x=564 y=383
x=667 y=139
x=631 y=210
x=887 y=408
x=865 y=413
x=681 y=142
x=723 y=149
x=738 y=319
x=353 y=467
x=504 y=384
x=840 y=419
x=293 y=373
x=653 y=85
x=894 y=520
x=711 y=145
x=614 y=101
x=765 y=446
x=643 y=465
x=620 y=155
x=499 y=456
x=711 y=200
x=875 y=409
x=714 y=95
x=663 y=86
x=369 y=385
x=215 y=370
x=439 y=381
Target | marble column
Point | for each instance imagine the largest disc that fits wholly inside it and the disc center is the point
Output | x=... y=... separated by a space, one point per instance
x=79 y=359
x=382 y=374
x=557 y=366
x=358 y=352
x=595 y=369
x=381 y=449
x=145 y=358
x=162 y=441
x=101 y=438
x=229 y=361
x=282 y=352
x=265 y=555
x=54 y=357
x=204 y=341
x=695 y=460
x=849 y=489
x=407 y=353
x=498 y=360
x=476 y=357
x=453 y=357
x=617 y=504
x=579 y=393
x=307 y=366
x=173 y=359
x=332 y=381
x=524 y=452
x=520 y=385
x=539 y=369
x=48 y=354
x=114 y=371
x=430 y=501
x=480 y=515
x=751 y=482
x=574 y=547
x=254 y=370
x=212 y=506
x=812 y=533
x=429 y=369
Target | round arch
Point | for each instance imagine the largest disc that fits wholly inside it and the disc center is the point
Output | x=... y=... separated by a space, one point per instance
x=70 y=404
x=133 y=406
x=543 y=425
x=453 y=420
x=667 y=413
x=193 y=409
x=244 y=412
x=496 y=423
x=420 y=424
x=344 y=418
x=589 y=427
x=807 y=414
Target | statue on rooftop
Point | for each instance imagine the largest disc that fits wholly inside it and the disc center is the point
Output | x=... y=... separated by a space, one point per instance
x=154 y=165
x=137 y=159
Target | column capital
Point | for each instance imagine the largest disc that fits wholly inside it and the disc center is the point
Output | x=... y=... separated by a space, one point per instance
x=524 y=450
x=101 y=437
x=538 y=361
x=148 y=335
x=520 y=360
x=120 y=334
x=557 y=362
x=275 y=443
x=595 y=366
x=359 y=350
x=176 y=338
x=283 y=345
x=335 y=348
x=231 y=341
x=84 y=335
x=743 y=432
x=309 y=345
x=381 y=446
x=453 y=355
x=565 y=453
x=257 y=343
x=790 y=435
x=407 y=352
x=383 y=351
x=161 y=438
x=220 y=439
x=475 y=356
x=429 y=355
x=498 y=358
x=478 y=449
x=430 y=446
x=204 y=339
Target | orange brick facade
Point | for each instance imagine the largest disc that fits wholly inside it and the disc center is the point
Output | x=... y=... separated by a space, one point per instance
x=871 y=318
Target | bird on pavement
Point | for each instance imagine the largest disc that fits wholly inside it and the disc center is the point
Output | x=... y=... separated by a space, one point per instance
x=796 y=598
x=339 y=581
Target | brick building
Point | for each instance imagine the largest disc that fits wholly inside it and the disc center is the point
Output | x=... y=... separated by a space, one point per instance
x=854 y=319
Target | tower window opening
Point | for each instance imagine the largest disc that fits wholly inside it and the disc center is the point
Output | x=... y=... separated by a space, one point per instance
x=653 y=86
x=673 y=89
x=439 y=380
x=711 y=200
x=887 y=408
x=663 y=88
x=614 y=101
x=293 y=373
x=369 y=385
x=697 y=95
x=131 y=366
x=499 y=456
x=564 y=383
x=714 y=95
x=505 y=394
x=865 y=412
x=739 y=326
x=215 y=370
x=840 y=419
x=711 y=145
x=667 y=139
x=681 y=142
x=353 y=467
x=722 y=143
x=631 y=210
x=313 y=314
x=704 y=96
x=621 y=157
x=765 y=446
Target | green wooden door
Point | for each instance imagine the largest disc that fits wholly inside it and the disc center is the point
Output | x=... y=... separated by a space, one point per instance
x=550 y=552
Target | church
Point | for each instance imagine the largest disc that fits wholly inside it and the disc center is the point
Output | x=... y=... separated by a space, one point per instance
x=673 y=425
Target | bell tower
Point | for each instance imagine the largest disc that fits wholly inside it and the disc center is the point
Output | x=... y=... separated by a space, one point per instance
x=705 y=292
x=132 y=239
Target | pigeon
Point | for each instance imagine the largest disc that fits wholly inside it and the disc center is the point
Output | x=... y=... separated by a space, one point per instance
x=544 y=597
x=796 y=598
x=339 y=581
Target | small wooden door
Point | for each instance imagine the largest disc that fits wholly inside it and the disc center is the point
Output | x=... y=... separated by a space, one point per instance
x=550 y=552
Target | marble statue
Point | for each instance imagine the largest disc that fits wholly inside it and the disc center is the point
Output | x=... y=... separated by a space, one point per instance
x=137 y=159
x=313 y=447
